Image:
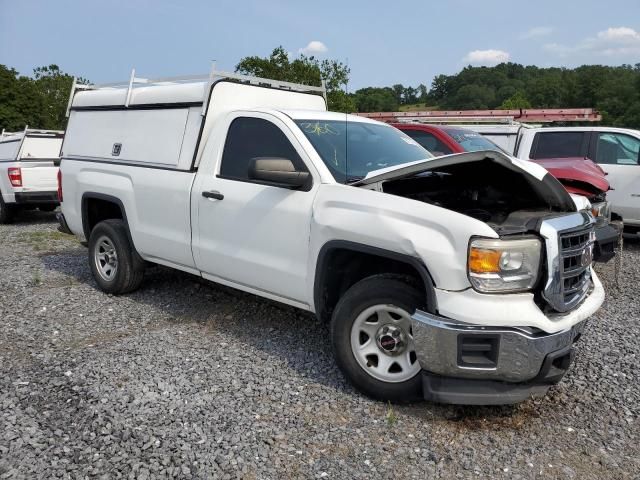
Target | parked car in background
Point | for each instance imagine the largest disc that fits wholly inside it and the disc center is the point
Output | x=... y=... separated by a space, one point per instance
x=430 y=271
x=445 y=140
x=28 y=171
x=580 y=176
x=615 y=150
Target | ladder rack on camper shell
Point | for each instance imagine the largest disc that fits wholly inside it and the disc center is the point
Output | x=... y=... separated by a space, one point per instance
x=543 y=115
x=31 y=131
x=211 y=78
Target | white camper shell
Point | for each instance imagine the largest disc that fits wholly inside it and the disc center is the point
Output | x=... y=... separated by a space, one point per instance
x=28 y=170
x=162 y=127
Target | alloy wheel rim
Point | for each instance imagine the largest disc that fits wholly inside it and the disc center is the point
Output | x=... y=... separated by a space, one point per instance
x=105 y=258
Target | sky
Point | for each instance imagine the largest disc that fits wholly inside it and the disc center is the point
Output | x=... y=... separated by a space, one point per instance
x=383 y=42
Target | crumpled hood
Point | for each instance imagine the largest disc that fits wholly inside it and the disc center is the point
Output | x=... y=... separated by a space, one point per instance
x=412 y=168
x=576 y=170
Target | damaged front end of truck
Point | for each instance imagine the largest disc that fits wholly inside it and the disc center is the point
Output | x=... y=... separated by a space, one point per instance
x=508 y=332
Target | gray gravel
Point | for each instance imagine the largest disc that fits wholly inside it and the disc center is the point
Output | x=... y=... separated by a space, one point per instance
x=184 y=379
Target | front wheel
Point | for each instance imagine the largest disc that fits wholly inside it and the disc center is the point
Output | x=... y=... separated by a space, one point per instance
x=373 y=338
x=116 y=266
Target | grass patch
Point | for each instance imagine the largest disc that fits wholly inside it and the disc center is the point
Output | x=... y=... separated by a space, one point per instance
x=36 y=278
x=391 y=416
x=40 y=240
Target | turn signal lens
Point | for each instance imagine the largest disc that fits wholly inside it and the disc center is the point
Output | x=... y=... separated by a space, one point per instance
x=504 y=265
x=484 y=261
x=601 y=211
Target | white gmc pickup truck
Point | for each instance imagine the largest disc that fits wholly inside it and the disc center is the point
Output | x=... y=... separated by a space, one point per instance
x=28 y=171
x=463 y=279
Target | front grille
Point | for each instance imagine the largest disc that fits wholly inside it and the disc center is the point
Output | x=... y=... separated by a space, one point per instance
x=569 y=244
x=576 y=253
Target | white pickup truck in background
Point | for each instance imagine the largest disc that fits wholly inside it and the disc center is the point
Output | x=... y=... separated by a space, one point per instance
x=461 y=279
x=28 y=171
x=615 y=150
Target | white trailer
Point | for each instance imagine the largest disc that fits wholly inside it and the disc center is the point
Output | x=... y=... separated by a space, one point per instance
x=28 y=171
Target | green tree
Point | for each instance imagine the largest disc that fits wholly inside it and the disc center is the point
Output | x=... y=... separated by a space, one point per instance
x=474 y=97
x=398 y=91
x=20 y=104
x=440 y=89
x=423 y=93
x=614 y=91
x=410 y=95
x=373 y=99
x=631 y=117
x=505 y=92
x=54 y=87
x=38 y=102
x=304 y=69
x=516 y=101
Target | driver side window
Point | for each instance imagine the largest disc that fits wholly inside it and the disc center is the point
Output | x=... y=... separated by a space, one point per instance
x=617 y=149
x=250 y=138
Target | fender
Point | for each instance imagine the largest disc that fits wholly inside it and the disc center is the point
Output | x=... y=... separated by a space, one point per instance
x=109 y=198
x=416 y=263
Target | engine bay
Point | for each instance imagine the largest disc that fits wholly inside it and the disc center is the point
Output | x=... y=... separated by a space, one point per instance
x=504 y=198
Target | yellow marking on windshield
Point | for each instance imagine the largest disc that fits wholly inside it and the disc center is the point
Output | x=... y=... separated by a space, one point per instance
x=318 y=128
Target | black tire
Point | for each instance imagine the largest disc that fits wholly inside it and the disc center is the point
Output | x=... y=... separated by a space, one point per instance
x=129 y=268
x=6 y=212
x=47 y=207
x=375 y=290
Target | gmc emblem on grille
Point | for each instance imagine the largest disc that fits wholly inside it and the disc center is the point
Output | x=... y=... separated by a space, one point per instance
x=585 y=258
x=115 y=151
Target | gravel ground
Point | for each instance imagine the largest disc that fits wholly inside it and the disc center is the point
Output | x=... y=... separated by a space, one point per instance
x=184 y=379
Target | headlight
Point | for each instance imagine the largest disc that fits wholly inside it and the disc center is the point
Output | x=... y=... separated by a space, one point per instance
x=504 y=265
x=601 y=211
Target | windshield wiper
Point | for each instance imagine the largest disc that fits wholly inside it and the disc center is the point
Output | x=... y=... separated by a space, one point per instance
x=353 y=179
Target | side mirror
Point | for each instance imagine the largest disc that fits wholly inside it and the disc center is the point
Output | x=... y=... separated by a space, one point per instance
x=279 y=172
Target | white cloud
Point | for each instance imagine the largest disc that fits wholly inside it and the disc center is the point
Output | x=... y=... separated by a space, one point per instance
x=486 y=57
x=314 y=47
x=537 y=32
x=619 y=34
x=616 y=43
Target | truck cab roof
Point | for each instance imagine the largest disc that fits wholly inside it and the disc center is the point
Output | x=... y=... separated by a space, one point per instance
x=304 y=114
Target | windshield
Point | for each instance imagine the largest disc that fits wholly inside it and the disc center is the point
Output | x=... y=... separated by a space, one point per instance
x=353 y=149
x=471 y=141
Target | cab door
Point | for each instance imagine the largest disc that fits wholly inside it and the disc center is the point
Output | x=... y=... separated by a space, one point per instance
x=248 y=234
x=618 y=155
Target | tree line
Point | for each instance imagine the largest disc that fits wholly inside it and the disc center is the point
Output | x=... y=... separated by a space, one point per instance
x=40 y=100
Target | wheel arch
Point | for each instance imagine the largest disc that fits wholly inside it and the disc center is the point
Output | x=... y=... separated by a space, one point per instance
x=342 y=263
x=90 y=219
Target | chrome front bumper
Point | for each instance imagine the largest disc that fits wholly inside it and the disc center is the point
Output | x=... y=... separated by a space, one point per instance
x=461 y=350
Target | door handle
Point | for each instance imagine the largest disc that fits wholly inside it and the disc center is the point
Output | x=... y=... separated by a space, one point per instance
x=213 y=194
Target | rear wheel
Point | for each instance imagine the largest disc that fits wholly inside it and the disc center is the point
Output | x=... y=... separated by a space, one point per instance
x=373 y=338
x=6 y=212
x=116 y=266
